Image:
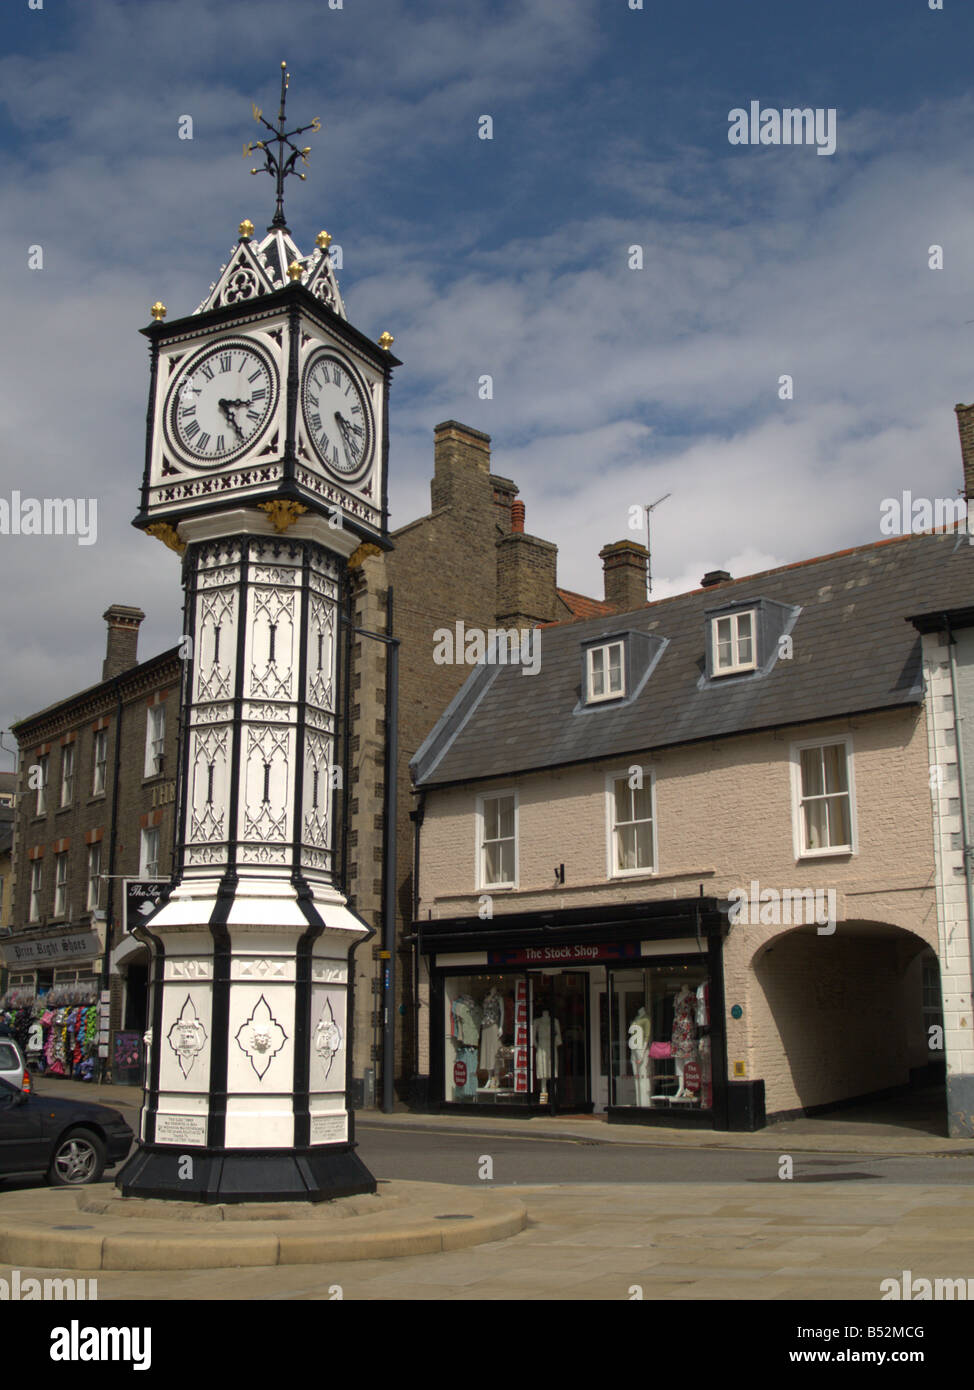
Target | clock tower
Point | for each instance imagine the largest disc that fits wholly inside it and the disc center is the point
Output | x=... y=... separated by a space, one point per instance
x=266 y=456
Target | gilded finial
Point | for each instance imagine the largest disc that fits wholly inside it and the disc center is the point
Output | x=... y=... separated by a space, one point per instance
x=294 y=271
x=386 y=341
x=323 y=240
x=246 y=229
x=158 y=311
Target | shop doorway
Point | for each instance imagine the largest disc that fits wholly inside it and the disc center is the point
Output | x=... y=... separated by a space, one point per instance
x=560 y=1038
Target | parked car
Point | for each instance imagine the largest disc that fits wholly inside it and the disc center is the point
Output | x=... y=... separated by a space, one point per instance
x=70 y=1141
x=13 y=1067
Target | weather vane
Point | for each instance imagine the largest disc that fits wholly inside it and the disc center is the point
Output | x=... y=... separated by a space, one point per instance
x=277 y=165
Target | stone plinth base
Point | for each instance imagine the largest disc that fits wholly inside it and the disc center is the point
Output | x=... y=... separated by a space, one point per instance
x=270 y=1175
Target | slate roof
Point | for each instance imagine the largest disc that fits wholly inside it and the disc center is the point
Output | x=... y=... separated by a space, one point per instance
x=853 y=651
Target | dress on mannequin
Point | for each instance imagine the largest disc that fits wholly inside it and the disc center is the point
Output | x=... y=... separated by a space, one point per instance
x=543 y=1032
x=490 y=1036
x=684 y=1035
x=639 y=1039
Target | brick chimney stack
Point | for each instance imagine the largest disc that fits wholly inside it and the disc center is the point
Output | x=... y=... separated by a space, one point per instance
x=625 y=566
x=461 y=463
x=526 y=576
x=121 y=653
x=965 y=427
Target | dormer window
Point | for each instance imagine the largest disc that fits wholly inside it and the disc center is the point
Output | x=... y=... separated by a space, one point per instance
x=734 y=646
x=605 y=671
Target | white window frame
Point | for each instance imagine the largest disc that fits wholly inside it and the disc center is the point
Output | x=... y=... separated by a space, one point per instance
x=99 y=765
x=36 y=883
x=797 y=816
x=61 y=884
x=145 y=862
x=155 y=740
x=481 y=855
x=622 y=774
x=94 y=876
x=736 y=664
x=44 y=763
x=590 y=697
x=68 y=768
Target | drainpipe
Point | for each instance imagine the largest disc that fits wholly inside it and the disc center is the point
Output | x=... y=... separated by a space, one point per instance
x=965 y=824
x=389 y=861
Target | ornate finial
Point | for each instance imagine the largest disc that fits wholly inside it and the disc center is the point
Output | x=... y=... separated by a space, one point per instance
x=158 y=311
x=282 y=514
x=277 y=165
x=323 y=240
x=386 y=341
x=246 y=229
x=165 y=533
x=294 y=271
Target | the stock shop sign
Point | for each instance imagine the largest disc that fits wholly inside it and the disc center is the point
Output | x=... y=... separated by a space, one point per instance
x=143 y=899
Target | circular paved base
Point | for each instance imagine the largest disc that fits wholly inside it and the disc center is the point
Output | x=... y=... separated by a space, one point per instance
x=97 y=1228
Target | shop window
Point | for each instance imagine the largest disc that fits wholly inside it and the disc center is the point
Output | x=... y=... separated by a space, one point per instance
x=824 y=803
x=61 y=884
x=34 y=910
x=659 y=1028
x=155 y=740
x=99 y=761
x=94 y=876
x=632 y=828
x=149 y=857
x=67 y=774
x=487 y=1055
x=497 y=820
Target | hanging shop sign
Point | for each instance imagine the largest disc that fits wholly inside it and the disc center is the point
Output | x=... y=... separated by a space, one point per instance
x=142 y=900
x=76 y=946
x=576 y=954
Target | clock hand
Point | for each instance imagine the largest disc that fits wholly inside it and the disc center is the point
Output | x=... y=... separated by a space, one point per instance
x=230 y=417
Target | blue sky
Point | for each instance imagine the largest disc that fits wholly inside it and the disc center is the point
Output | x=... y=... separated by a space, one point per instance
x=612 y=386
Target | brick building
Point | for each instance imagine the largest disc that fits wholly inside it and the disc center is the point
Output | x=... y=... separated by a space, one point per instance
x=469 y=560
x=95 y=794
x=687 y=872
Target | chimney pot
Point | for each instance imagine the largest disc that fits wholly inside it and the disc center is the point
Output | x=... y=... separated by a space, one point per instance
x=517 y=515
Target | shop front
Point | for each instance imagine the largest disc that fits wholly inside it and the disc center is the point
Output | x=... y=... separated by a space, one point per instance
x=608 y=1010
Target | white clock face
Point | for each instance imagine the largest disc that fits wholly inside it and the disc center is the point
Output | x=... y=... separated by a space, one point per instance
x=221 y=402
x=338 y=414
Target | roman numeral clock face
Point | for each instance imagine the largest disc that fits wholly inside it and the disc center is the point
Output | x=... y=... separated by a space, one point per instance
x=220 y=403
x=338 y=414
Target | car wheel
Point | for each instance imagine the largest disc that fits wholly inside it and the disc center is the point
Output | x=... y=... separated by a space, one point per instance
x=78 y=1158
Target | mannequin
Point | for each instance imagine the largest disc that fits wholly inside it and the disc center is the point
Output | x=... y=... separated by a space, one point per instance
x=545 y=1029
x=490 y=1035
x=639 y=1037
x=684 y=1036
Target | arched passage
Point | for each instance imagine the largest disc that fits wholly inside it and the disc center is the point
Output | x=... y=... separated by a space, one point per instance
x=844 y=1018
